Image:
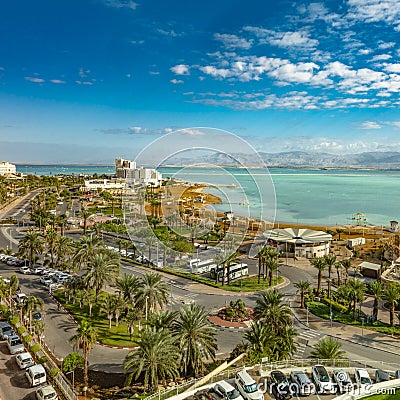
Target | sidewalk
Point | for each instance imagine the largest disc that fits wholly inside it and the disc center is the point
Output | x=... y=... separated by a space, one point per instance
x=354 y=334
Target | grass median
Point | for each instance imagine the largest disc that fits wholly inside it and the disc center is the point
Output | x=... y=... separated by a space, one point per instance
x=116 y=336
x=323 y=311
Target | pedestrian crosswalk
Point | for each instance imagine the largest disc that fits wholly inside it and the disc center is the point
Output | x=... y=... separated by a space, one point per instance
x=177 y=299
x=304 y=339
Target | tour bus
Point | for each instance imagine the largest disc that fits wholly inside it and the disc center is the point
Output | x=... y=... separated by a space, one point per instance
x=235 y=271
x=202 y=267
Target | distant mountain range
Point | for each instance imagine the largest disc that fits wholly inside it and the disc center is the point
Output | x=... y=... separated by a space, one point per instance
x=301 y=159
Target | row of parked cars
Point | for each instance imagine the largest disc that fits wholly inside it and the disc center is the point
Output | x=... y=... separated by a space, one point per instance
x=34 y=373
x=12 y=261
x=282 y=387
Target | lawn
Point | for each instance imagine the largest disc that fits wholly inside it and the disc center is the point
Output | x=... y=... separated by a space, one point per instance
x=250 y=284
x=322 y=310
x=395 y=396
x=116 y=336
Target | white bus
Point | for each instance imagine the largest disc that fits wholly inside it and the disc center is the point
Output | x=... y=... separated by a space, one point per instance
x=201 y=267
x=236 y=271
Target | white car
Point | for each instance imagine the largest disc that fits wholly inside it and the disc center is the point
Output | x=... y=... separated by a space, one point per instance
x=20 y=297
x=46 y=393
x=25 y=270
x=343 y=381
x=15 y=345
x=24 y=360
x=248 y=387
x=322 y=380
x=227 y=391
x=362 y=378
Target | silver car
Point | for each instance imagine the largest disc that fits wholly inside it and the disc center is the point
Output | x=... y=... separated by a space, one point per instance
x=301 y=383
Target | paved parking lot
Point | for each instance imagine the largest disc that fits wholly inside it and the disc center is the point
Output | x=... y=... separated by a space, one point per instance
x=13 y=384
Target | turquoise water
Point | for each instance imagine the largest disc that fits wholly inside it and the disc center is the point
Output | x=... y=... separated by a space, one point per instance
x=323 y=197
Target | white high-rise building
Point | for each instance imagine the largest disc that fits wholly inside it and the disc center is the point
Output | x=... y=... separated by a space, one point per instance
x=127 y=169
x=7 y=168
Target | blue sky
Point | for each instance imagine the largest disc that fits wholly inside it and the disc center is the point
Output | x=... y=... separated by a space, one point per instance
x=88 y=80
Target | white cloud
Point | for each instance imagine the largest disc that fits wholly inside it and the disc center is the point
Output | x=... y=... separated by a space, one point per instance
x=364 y=51
x=232 y=41
x=180 y=69
x=395 y=124
x=369 y=125
x=176 y=81
x=381 y=57
x=57 y=81
x=34 y=79
x=392 y=68
x=121 y=4
x=386 y=45
x=216 y=72
x=171 y=32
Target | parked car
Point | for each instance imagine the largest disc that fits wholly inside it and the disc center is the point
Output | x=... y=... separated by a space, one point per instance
x=322 y=380
x=20 y=297
x=36 y=375
x=206 y=394
x=25 y=270
x=37 y=270
x=15 y=345
x=227 y=391
x=342 y=380
x=46 y=280
x=279 y=386
x=302 y=383
x=381 y=376
x=397 y=374
x=46 y=393
x=24 y=360
x=247 y=386
x=362 y=378
x=6 y=330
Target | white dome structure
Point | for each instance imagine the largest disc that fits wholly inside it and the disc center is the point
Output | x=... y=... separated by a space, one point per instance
x=299 y=242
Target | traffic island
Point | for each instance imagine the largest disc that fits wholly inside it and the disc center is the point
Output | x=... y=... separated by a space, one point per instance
x=235 y=316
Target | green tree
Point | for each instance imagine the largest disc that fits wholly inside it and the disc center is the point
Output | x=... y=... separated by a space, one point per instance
x=71 y=362
x=31 y=304
x=85 y=339
x=358 y=290
x=157 y=358
x=303 y=288
x=328 y=348
x=51 y=238
x=319 y=264
x=85 y=214
x=346 y=264
x=270 y=310
x=163 y=320
x=376 y=289
x=392 y=296
x=196 y=338
x=330 y=261
x=107 y=305
x=153 y=292
x=127 y=286
x=102 y=269
x=31 y=244
x=87 y=247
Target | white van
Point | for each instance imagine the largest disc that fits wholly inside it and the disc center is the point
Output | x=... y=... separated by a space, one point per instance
x=248 y=386
x=36 y=375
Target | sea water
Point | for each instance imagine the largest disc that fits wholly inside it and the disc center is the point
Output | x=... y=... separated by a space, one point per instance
x=305 y=196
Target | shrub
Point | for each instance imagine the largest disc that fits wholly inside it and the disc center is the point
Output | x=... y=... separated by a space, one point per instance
x=20 y=330
x=335 y=306
x=27 y=338
x=35 y=348
x=54 y=372
x=3 y=308
x=14 y=320
x=43 y=360
x=7 y=315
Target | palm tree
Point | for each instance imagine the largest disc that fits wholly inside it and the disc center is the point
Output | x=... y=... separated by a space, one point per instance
x=260 y=338
x=108 y=306
x=12 y=289
x=102 y=269
x=31 y=244
x=85 y=339
x=31 y=304
x=51 y=238
x=302 y=287
x=330 y=260
x=272 y=266
x=376 y=289
x=338 y=266
x=357 y=289
x=320 y=265
x=156 y=359
x=392 y=296
x=328 y=348
x=85 y=214
x=63 y=249
x=196 y=338
x=346 y=264
x=86 y=249
x=127 y=286
x=270 y=310
x=163 y=320
x=152 y=292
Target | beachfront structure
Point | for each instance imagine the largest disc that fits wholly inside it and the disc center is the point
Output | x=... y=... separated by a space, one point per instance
x=299 y=242
x=126 y=169
x=104 y=184
x=355 y=242
x=7 y=168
